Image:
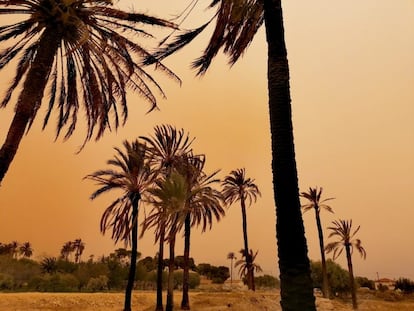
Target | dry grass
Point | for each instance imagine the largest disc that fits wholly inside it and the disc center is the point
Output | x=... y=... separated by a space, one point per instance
x=200 y=301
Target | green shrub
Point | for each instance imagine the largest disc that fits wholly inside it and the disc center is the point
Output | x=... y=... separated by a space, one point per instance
x=266 y=281
x=193 y=282
x=57 y=282
x=99 y=283
x=6 y=282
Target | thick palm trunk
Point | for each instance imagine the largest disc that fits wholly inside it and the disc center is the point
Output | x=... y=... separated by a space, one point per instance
x=325 y=283
x=246 y=245
x=185 y=302
x=296 y=283
x=171 y=264
x=351 y=277
x=134 y=252
x=160 y=268
x=30 y=97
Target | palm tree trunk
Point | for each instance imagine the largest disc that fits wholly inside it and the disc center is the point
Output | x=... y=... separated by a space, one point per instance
x=134 y=250
x=170 y=290
x=325 y=283
x=351 y=277
x=296 y=283
x=246 y=244
x=30 y=97
x=160 y=268
x=185 y=302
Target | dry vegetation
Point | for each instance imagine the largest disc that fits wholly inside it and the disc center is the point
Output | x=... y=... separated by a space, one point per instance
x=200 y=301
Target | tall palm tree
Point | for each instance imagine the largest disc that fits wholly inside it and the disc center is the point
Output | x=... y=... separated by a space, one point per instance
x=14 y=248
x=77 y=51
x=315 y=203
x=132 y=174
x=170 y=195
x=342 y=229
x=66 y=250
x=166 y=148
x=26 y=250
x=244 y=266
x=231 y=256
x=203 y=205
x=79 y=247
x=238 y=187
x=236 y=24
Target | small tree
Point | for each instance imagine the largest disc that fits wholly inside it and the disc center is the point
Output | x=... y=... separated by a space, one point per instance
x=232 y=257
x=315 y=203
x=342 y=229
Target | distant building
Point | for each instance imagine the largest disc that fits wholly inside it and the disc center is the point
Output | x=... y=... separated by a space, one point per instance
x=385 y=283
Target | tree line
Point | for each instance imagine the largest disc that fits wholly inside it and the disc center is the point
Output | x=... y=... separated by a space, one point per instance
x=106 y=273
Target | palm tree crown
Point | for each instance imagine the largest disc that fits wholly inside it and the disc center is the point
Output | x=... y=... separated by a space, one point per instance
x=75 y=50
x=315 y=202
x=133 y=176
x=342 y=229
x=237 y=187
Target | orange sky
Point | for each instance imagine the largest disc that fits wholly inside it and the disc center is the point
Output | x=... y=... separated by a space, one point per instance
x=352 y=78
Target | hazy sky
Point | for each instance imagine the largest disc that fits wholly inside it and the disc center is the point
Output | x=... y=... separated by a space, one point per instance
x=352 y=84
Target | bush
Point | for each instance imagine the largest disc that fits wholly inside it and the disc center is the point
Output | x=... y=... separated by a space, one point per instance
x=193 y=282
x=6 y=282
x=57 y=282
x=405 y=285
x=338 y=277
x=266 y=281
x=99 y=283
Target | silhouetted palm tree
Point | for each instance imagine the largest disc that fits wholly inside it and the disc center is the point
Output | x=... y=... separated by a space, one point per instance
x=132 y=174
x=66 y=250
x=49 y=265
x=77 y=50
x=238 y=187
x=236 y=24
x=232 y=257
x=14 y=248
x=165 y=151
x=315 y=203
x=246 y=265
x=26 y=250
x=170 y=196
x=78 y=247
x=203 y=206
x=342 y=229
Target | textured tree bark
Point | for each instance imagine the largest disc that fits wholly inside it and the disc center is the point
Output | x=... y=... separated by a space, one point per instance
x=134 y=252
x=325 y=283
x=160 y=267
x=30 y=97
x=294 y=266
x=185 y=302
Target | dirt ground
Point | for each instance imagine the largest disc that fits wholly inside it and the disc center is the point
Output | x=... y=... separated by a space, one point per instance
x=200 y=301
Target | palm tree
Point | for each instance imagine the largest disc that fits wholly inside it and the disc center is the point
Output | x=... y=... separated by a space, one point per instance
x=237 y=187
x=79 y=247
x=165 y=151
x=203 y=205
x=76 y=51
x=170 y=196
x=49 y=265
x=66 y=250
x=14 y=248
x=236 y=24
x=246 y=265
x=315 y=202
x=232 y=257
x=342 y=229
x=26 y=250
x=132 y=175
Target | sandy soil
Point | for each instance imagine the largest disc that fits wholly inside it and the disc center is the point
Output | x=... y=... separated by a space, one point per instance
x=200 y=301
